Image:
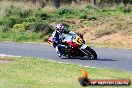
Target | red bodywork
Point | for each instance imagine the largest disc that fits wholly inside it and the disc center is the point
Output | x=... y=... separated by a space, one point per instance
x=49 y=40
x=73 y=44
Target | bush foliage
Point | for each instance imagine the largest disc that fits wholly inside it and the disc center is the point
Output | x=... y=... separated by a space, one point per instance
x=41 y=27
x=42 y=15
x=21 y=27
x=37 y=21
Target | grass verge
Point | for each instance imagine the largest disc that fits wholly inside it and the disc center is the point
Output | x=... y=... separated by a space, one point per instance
x=117 y=45
x=26 y=72
x=20 y=37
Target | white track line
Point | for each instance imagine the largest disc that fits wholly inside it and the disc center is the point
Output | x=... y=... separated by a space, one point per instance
x=5 y=55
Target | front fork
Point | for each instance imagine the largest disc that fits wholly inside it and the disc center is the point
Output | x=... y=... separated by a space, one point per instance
x=85 y=51
x=56 y=48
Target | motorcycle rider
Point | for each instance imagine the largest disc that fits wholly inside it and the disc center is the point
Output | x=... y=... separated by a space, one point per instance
x=58 y=35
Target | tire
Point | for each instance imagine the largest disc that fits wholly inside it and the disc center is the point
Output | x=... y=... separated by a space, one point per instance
x=84 y=81
x=93 y=55
x=69 y=57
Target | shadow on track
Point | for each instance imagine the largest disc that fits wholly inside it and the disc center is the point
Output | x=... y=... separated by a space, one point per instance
x=105 y=59
x=83 y=58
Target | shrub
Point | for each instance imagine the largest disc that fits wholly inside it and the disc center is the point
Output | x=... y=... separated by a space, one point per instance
x=21 y=27
x=9 y=22
x=30 y=19
x=41 y=27
x=14 y=15
x=42 y=15
x=62 y=11
x=90 y=9
x=83 y=16
x=92 y=18
x=25 y=13
x=120 y=8
x=108 y=12
x=12 y=20
x=3 y=21
x=5 y=28
x=13 y=10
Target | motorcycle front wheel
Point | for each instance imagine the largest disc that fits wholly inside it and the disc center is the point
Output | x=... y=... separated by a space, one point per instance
x=91 y=53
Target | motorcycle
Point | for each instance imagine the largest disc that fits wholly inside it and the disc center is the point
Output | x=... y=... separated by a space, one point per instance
x=73 y=45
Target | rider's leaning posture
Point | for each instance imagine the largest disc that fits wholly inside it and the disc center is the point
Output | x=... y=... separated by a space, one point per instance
x=58 y=35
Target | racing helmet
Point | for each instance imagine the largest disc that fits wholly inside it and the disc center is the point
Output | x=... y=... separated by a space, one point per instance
x=60 y=27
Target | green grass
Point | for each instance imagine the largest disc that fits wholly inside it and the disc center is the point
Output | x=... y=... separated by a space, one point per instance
x=38 y=73
x=117 y=45
x=20 y=37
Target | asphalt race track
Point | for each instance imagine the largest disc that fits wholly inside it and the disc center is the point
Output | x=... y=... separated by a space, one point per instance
x=107 y=57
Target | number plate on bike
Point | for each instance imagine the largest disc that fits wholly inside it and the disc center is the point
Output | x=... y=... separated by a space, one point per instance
x=78 y=40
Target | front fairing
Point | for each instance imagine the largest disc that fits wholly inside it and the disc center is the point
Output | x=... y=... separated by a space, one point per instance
x=69 y=37
x=72 y=37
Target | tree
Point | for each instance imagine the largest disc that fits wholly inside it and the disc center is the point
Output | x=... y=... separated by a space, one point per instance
x=125 y=2
x=95 y=2
x=57 y=3
x=33 y=1
x=117 y=1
